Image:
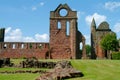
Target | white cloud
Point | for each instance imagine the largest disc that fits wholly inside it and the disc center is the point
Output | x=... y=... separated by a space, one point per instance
x=112 y=5
x=43 y=37
x=98 y=18
x=116 y=27
x=15 y=35
x=8 y=30
x=15 y=32
x=34 y=8
x=78 y=14
x=87 y=37
x=41 y=3
x=28 y=39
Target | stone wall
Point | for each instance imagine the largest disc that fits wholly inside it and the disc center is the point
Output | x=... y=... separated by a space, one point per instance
x=2 y=31
x=24 y=50
x=64 y=34
x=64 y=43
x=97 y=34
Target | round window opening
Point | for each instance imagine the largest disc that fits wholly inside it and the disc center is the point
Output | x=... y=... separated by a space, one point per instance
x=63 y=12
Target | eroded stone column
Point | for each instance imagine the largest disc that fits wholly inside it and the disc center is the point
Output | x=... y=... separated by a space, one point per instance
x=83 y=49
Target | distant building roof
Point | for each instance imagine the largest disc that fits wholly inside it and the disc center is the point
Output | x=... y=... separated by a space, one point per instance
x=103 y=26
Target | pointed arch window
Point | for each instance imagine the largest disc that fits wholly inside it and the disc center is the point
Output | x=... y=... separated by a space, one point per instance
x=67 y=28
x=59 y=25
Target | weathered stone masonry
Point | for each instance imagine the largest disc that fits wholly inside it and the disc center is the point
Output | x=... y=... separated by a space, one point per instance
x=24 y=50
x=97 y=33
x=64 y=43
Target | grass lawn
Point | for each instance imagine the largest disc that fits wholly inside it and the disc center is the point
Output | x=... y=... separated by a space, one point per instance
x=98 y=69
x=24 y=76
x=92 y=70
x=19 y=76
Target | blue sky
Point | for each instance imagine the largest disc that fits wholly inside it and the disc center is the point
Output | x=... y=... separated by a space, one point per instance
x=28 y=20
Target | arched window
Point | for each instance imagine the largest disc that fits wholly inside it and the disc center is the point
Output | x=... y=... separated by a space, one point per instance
x=81 y=46
x=67 y=28
x=40 y=46
x=22 y=46
x=13 y=46
x=5 y=46
x=59 y=25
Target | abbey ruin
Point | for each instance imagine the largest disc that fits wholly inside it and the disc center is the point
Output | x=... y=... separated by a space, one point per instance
x=62 y=45
x=97 y=33
x=64 y=40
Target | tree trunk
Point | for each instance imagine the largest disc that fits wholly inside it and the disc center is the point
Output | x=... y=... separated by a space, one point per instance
x=109 y=54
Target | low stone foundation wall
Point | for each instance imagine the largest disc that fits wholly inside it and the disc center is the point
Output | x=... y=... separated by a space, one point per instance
x=33 y=63
x=22 y=71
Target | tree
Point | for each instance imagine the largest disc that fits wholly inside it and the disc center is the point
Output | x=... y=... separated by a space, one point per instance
x=88 y=49
x=109 y=42
x=119 y=42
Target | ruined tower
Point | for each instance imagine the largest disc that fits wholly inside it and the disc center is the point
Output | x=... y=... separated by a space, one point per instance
x=2 y=34
x=93 y=39
x=97 y=35
x=64 y=34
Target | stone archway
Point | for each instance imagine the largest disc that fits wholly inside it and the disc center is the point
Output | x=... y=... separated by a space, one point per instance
x=47 y=55
x=81 y=40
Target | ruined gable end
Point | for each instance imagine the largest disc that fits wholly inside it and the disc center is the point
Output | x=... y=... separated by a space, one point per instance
x=63 y=33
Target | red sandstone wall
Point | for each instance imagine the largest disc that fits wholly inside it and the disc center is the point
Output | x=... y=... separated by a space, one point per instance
x=38 y=50
x=100 y=53
x=61 y=44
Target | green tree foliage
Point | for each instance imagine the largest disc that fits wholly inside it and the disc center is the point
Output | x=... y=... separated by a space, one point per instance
x=30 y=46
x=116 y=55
x=109 y=42
x=119 y=43
x=88 y=49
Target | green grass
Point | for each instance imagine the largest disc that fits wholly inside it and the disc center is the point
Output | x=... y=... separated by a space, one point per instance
x=23 y=69
x=98 y=69
x=92 y=70
x=24 y=76
x=17 y=61
x=19 y=76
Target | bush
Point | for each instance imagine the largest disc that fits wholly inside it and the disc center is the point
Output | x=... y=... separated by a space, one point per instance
x=116 y=55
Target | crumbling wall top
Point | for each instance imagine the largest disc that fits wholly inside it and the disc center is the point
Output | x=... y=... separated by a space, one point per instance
x=104 y=26
x=63 y=7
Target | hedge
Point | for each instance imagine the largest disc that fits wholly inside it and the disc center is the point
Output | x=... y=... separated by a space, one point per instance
x=116 y=55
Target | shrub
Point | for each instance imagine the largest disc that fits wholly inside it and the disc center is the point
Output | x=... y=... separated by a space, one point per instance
x=116 y=55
